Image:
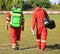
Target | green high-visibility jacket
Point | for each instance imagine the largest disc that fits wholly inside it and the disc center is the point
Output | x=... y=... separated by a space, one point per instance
x=15 y=20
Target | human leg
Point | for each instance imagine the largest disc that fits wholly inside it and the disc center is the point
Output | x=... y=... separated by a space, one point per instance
x=18 y=37
x=43 y=38
x=13 y=37
x=38 y=38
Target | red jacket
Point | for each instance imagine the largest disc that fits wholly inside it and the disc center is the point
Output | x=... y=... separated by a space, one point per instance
x=38 y=17
x=8 y=18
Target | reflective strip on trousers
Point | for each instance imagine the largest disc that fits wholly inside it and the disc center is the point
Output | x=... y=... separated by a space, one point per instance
x=17 y=41
x=38 y=40
x=13 y=45
x=8 y=18
x=43 y=40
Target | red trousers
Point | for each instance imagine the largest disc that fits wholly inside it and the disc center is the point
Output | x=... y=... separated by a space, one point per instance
x=41 y=36
x=41 y=33
x=15 y=34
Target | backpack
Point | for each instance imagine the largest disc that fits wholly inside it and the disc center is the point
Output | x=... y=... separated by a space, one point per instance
x=49 y=23
x=15 y=20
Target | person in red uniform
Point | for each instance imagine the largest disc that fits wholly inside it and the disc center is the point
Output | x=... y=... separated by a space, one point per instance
x=15 y=33
x=41 y=31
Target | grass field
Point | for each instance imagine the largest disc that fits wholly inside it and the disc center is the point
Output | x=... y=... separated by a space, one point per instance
x=27 y=43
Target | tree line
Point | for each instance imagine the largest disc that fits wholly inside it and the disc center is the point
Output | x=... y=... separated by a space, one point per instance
x=8 y=4
x=24 y=4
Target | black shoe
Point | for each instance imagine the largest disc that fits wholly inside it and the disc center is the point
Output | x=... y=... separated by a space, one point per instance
x=17 y=48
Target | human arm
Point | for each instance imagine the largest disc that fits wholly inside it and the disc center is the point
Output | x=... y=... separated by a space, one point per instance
x=7 y=19
x=33 y=23
x=22 y=22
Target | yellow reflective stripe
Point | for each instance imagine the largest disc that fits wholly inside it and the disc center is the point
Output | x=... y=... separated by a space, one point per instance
x=22 y=18
x=17 y=41
x=7 y=21
x=8 y=18
x=38 y=40
x=17 y=14
x=13 y=44
x=43 y=40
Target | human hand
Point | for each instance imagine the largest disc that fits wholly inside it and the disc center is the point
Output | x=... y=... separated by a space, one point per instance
x=32 y=31
x=7 y=27
x=22 y=28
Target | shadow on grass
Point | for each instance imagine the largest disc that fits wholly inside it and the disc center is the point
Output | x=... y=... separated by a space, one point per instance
x=50 y=47
x=53 y=47
x=26 y=48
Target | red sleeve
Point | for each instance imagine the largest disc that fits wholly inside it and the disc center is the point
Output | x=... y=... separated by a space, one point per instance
x=33 y=20
x=8 y=17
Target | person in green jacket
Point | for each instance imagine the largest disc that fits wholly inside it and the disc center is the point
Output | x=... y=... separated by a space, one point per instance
x=16 y=20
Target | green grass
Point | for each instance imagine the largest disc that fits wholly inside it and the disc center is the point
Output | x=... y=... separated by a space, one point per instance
x=27 y=43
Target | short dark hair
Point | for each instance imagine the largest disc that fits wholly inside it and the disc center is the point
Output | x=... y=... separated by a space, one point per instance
x=36 y=5
x=15 y=6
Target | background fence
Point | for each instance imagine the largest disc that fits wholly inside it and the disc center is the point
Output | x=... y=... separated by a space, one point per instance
x=30 y=12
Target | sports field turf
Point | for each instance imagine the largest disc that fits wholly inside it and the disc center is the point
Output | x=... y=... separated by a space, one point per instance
x=27 y=43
